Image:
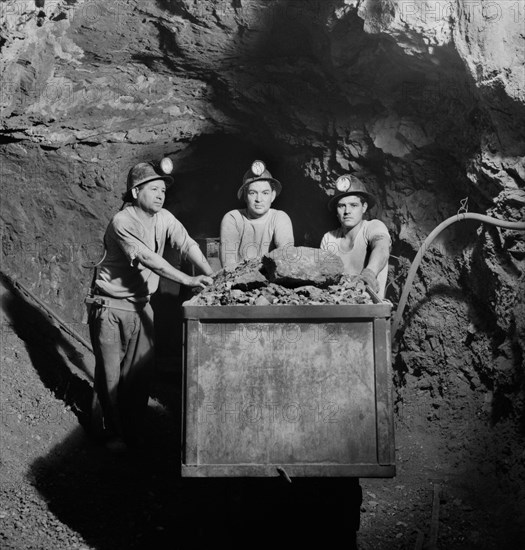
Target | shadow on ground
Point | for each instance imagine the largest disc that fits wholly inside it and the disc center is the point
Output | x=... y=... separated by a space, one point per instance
x=139 y=500
x=52 y=354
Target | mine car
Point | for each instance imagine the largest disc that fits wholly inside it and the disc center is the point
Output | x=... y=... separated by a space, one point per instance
x=295 y=390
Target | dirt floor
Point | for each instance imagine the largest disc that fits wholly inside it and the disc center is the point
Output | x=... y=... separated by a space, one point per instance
x=459 y=478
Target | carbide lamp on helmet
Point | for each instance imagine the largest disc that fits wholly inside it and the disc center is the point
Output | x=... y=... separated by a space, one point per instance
x=258 y=167
x=166 y=165
x=348 y=184
x=258 y=172
x=342 y=184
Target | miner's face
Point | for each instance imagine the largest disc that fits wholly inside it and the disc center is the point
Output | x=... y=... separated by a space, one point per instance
x=150 y=196
x=350 y=211
x=259 y=196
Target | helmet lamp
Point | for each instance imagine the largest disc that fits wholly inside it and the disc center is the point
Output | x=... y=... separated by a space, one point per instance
x=342 y=184
x=258 y=167
x=166 y=165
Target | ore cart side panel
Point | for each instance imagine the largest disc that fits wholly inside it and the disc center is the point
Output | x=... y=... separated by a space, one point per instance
x=384 y=393
x=190 y=391
x=295 y=388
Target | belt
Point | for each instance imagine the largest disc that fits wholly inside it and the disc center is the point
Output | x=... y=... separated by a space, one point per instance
x=116 y=303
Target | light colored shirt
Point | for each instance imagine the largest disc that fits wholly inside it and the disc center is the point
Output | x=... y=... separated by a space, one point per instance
x=121 y=275
x=356 y=259
x=244 y=238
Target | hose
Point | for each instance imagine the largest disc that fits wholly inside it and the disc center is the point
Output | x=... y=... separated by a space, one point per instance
x=520 y=226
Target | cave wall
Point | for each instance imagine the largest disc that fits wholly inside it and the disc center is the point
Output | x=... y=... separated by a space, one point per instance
x=424 y=99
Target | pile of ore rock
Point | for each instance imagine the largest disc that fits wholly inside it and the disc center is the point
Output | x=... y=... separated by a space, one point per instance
x=285 y=276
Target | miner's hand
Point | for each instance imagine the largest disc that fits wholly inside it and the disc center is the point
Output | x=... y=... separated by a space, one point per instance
x=200 y=281
x=369 y=278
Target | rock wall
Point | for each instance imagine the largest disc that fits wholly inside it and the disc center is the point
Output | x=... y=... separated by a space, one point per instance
x=424 y=99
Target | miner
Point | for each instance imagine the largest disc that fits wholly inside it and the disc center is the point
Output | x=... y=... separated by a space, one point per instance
x=121 y=317
x=363 y=245
x=253 y=231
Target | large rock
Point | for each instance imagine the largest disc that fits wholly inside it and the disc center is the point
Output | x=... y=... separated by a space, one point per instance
x=293 y=266
x=244 y=276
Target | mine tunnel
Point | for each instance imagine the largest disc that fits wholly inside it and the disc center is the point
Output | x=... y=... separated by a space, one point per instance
x=424 y=101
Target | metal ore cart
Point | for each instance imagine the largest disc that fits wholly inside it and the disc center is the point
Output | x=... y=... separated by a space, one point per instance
x=288 y=390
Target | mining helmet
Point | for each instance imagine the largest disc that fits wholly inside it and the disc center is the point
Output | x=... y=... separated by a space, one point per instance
x=348 y=184
x=258 y=172
x=143 y=172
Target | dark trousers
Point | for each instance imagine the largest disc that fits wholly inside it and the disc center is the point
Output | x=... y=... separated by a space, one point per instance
x=123 y=346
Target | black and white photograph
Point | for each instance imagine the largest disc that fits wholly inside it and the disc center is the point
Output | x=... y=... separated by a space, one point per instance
x=262 y=274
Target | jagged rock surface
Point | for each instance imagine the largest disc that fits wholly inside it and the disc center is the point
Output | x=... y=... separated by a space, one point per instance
x=89 y=89
x=424 y=99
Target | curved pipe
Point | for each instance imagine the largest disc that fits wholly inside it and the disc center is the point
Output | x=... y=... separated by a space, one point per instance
x=520 y=226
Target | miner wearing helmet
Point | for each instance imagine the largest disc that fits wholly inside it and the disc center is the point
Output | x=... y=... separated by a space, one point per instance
x=121 y=318
x=253 y=231
x=363 y=245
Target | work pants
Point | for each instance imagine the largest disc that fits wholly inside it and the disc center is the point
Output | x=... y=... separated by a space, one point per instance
x=123 y=344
